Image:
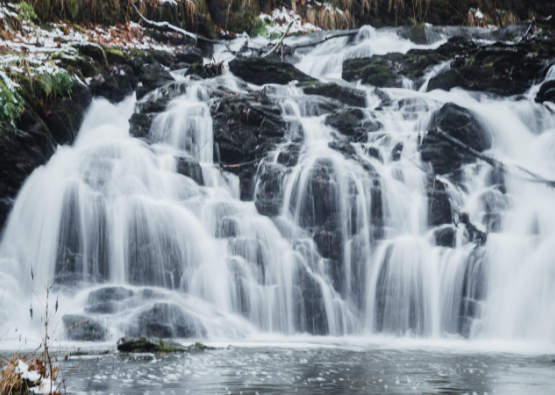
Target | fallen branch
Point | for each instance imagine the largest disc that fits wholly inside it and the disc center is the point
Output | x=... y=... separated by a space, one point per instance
x=280 y=41
x=493 y=162
x=165 y=26
x=347 y=34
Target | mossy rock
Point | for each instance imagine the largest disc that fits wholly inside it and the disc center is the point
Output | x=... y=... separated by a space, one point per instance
x=95 y=51
x=81 y=65
x=142 y=344
x=115 y=55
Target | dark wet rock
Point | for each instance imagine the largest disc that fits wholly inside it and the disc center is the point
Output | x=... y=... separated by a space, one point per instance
x=309 y=303
x=343 y=147
x=139 y=124
x=350 y=96
x=499 y=68
x=289 y=155
x=353 y=123
x=82 y=328
x=260 y=71
x=165 y=320
x=397 y=151
x=439 y=204
x=84 y=66
x=320 y=202
x=269 y=194
x=374 y=152
x=460 y=124
x=190 y=56
x=245 y=128
x=66 y=114
x=114 y=84
x=502 y=69
x=203 y=71
x=93 y=51
x=329 y=240
x=153 y=75
x=546 y=92
x=105 y=300
x=445 y=236
x=191 y=168
x=377 y=70
x=20 y=153
x=143 y=345
x=109 y=294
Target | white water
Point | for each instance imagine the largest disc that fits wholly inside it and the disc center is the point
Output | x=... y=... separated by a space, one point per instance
x=112 y=210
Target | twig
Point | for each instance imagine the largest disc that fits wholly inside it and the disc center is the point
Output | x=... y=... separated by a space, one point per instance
x=493 y=162
x=280 y=40
x=347 y=34
x=168 y=26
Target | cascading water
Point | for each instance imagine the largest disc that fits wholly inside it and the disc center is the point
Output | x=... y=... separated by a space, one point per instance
x=153 y=239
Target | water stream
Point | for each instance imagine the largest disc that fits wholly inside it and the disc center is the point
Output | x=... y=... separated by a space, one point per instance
x=126 y=239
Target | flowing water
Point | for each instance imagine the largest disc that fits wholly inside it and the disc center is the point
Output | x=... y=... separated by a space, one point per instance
x=126 y=239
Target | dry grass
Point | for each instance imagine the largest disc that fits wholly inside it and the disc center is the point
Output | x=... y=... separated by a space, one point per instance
x=11 y=381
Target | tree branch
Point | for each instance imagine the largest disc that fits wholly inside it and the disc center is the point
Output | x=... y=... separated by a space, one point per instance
x=347 y=34
x=493 y=162
x=165 y=26
x=280 y=41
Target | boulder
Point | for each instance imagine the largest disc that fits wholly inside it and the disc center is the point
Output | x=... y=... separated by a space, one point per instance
x=143 y=345
x=445 y=236
x=83 y=328
x=353 y=123
x=349 y=96
x=165 y=320
x=269 y=194
x=460 y=124
x=379 y=70
x=191 y=168
x=439 y=204
x=499 y=68
x=153 y=75
x=260 y=71
x=114 y=84
x=105 y=300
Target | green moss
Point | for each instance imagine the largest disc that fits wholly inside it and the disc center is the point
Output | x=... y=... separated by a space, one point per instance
x=115 y=55
x=26 y=11
x=142 y=344
x=11 y=102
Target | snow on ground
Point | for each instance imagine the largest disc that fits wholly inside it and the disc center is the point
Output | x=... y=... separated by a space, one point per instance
x=34 y=45
x=280 y=18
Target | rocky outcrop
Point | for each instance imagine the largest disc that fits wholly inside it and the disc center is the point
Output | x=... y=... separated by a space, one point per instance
x=165 y=320
x=51 y=119
x=546 y=92
x=353 y=123
x=260 y=71
x=83 y=328
x=499 y=68
x=346 y=95
x=460 y=124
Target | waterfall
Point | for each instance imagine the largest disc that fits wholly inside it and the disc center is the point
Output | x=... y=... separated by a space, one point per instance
x=152 y=237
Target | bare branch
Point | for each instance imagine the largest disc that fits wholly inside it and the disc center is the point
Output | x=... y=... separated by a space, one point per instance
x=165 y=26
x=279 y=42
